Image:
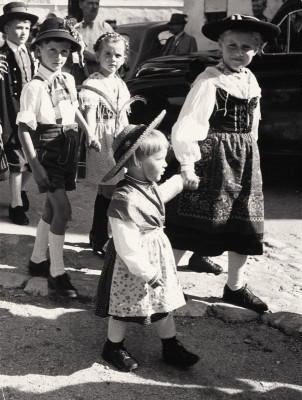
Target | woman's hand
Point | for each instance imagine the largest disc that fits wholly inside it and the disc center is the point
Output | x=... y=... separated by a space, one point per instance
x=190 y=180
x=3 y=66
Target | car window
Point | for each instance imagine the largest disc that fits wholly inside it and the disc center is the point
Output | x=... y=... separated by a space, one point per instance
x=290 y=38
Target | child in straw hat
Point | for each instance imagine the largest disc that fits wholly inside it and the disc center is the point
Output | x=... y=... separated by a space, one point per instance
x=215 y=140
x=139 y=281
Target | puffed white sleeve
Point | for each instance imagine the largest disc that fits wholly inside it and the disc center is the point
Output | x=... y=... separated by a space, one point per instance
x=127 y=242
x=256 y=91
x=192 y=124
x=87 y=97
x=29 y=105
x=171 y=187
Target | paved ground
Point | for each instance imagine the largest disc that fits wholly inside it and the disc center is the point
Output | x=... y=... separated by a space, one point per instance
x=276 y=277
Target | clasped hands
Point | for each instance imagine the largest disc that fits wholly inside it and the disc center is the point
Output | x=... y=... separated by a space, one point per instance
x=190 y=180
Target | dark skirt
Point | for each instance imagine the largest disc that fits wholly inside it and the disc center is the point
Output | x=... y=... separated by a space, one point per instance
x=226 y=212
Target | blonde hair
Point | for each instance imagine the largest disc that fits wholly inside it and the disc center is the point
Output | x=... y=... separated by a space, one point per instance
x=256 y=38
x=155 y=141
x=111 y=37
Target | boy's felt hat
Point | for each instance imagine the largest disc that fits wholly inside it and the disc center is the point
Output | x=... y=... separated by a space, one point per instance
x=16 y=10
x=245 y=23
x=178 y=19
x=127 y=141
x=56 y=27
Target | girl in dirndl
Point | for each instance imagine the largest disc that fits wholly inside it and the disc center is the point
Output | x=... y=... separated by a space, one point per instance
x=139 y=280
x=217 y=131
x=104 y=99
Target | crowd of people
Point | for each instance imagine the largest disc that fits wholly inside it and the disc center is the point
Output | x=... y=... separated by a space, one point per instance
x=214 y=203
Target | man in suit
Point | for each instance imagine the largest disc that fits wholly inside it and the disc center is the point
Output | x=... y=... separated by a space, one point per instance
x=180 y=42
x=91 y=28
x=15 y=23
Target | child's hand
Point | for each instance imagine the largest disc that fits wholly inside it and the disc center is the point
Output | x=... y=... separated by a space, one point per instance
x=93 y=143
x=3 y=66
x=190 y=180
x=40 y=177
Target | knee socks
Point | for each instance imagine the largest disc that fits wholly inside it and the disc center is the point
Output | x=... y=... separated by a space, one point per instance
x=39 y=253
x=166 y=327
x=56 y=244
x=236 y=270
x=116 y=330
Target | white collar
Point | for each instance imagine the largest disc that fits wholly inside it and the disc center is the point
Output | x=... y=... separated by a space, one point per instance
x=46 y=73
x=15 y=47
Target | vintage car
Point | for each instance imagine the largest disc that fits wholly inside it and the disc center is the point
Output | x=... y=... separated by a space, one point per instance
x=165 y=82
x=146 y=40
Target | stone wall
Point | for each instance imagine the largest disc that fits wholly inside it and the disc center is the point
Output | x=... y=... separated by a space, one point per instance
x=124 y=11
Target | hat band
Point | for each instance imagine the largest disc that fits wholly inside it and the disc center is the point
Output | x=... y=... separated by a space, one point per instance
x=126 y=144
x=17 y=9
x=54 y=30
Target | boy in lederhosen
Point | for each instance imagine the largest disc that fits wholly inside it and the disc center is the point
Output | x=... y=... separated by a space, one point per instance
x=49 y=136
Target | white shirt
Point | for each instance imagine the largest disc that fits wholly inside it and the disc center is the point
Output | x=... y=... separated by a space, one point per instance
x=91 y=35
x=35 y=102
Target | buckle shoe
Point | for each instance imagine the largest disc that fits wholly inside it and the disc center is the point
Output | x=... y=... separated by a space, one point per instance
x=116 y=354
x=199 y=263
x=39 y=269
x=175 y=354
x=17 y=215
x=25 y=200
x=62 y=285
x=244 y=297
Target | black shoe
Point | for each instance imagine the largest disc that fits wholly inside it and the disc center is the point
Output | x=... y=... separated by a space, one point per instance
x=116 y=354
x=244 y=298
x=39 y=269
x=62 y=285
x=25 y=200
x=199 y=263
x=17 y=215
x=96 y=246
x=175 y=354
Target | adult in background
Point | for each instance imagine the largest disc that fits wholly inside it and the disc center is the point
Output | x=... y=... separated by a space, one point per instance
x=258 y=8
x=91 y=28
x=180 y=42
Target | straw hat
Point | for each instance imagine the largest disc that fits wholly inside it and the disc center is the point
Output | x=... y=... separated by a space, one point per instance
x=128 y=141
x=16 y=10
x=56 y=27
x=214 y=29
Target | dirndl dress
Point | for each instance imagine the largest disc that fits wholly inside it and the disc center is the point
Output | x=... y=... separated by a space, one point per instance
x=227 y=211
x=122 y=294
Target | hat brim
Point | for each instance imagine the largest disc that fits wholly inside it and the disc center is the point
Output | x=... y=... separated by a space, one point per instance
x=214 y=29
x=56 y=33
x=5 y=18
x=119 y=165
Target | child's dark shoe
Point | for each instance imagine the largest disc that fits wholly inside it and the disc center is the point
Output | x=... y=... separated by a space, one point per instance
x=62 y=285
x=199 y=263
x=25 y=200
x=116 y=354
x=39 y=269
x=17 y=215
x=96 y=246
x=175 y=354
x=244 y=297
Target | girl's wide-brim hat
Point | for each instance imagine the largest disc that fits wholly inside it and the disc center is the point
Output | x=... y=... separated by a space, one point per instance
x=125 y=144
x=16 y=10
x=245 y=23
x=55 y=27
